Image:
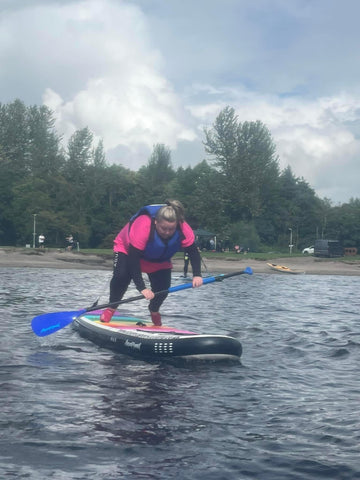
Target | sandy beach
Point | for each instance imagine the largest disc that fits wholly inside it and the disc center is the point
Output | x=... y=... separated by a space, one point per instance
x=35 y=258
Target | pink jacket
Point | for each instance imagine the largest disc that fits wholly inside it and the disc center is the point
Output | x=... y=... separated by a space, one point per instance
x=138 y=237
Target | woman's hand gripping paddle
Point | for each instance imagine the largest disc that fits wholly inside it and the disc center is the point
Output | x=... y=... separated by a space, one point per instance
x=49 y=323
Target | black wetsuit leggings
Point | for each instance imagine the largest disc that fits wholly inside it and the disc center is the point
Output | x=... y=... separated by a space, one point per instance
x=160 y=280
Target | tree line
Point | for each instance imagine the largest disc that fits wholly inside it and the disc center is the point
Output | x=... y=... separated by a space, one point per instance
x=238 y=192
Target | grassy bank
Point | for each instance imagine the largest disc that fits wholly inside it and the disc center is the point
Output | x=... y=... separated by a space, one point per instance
x=263 y=256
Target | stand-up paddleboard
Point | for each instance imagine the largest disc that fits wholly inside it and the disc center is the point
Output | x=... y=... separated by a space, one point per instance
x=136 y=337
x=140 y=338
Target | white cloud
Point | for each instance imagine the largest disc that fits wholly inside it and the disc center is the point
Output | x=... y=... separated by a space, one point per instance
x=139 y=107
x=100 y=71
x=127 y=102
x=314 y=136
x=144 y=72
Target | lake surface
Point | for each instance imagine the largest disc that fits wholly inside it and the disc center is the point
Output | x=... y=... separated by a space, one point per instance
x=289 y=410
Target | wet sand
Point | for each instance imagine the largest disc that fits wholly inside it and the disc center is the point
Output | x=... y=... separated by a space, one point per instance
x=35 y=258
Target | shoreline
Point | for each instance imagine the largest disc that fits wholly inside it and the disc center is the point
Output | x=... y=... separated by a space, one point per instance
x=76 y=260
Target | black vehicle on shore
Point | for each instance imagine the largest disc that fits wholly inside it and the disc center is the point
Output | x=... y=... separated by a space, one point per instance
x=328 y=248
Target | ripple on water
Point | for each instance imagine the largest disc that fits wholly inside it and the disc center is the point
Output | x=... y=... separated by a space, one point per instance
x=288 y=411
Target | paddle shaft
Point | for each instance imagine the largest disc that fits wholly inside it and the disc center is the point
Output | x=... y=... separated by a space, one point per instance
x=176 y=288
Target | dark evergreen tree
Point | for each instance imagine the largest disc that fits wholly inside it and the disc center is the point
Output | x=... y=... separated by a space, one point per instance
x=155 y=177
x=241 y=196
x=14 y=137
x=45 y=158
x=244 y=154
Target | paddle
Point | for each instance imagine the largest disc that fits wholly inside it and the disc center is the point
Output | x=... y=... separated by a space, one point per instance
x=49 y=323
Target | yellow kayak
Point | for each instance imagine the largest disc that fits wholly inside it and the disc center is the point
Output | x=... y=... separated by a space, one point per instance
x=282 y=268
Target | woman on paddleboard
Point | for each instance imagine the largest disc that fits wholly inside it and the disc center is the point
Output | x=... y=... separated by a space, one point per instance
x=146 y=244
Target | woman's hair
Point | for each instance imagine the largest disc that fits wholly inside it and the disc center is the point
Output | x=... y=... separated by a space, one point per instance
x=173 y=211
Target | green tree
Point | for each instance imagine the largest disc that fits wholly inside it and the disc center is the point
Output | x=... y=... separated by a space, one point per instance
x=208 y=205
x=44 y=154
x=343 y=223
x=155 y=177
x=244 y=234
x=111 y=200
x=14 y=138
x=200 y=191
x=99 y=155
x=79 y=157
x=241 y=196
x=245 y=155
x=296 y=207
x=30 y=198
x=79 y=152
x=7 y=223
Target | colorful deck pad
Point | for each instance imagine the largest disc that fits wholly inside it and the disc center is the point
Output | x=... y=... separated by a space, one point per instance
x=120 y=322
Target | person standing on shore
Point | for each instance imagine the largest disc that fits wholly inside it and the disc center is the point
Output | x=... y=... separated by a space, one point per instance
x=145 y=245
x=70 y=243
x=41 y=240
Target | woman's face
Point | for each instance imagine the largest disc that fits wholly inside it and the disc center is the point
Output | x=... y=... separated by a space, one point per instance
x=165 y=229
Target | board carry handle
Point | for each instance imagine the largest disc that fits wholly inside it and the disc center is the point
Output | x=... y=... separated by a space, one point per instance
x=49 y=323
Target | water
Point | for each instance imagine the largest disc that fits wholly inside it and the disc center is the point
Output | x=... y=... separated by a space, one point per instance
x=289 y=410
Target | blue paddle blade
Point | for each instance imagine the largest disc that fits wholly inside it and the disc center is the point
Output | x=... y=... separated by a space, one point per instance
x=248 y=270
x=49 y=323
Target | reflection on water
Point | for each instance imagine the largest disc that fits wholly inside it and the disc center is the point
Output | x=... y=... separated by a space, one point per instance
x=289 y=410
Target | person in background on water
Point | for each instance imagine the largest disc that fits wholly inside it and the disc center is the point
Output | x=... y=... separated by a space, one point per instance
x=186 y=263
x=146 y=244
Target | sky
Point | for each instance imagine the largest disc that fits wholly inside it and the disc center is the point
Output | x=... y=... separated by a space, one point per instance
x=142 y=72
